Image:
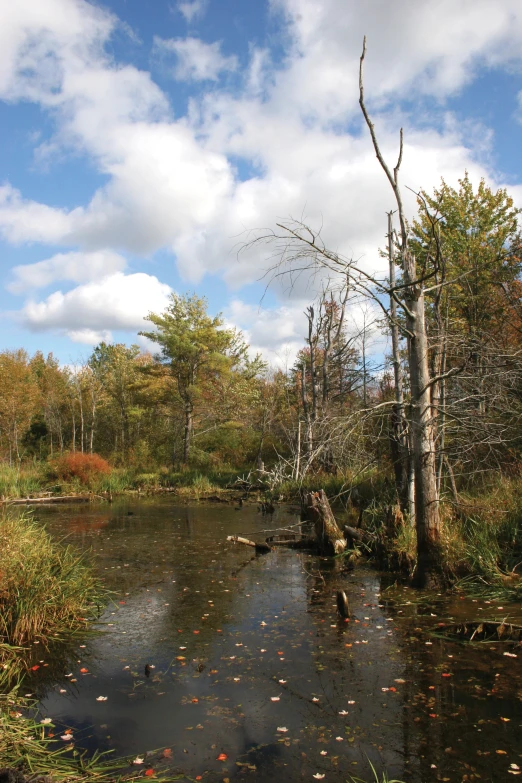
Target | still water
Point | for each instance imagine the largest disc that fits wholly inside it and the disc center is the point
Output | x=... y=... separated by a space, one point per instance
x=250 y=673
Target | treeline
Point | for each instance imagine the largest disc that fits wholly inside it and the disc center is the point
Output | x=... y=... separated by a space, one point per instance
x=202 y=400
x=437 y=419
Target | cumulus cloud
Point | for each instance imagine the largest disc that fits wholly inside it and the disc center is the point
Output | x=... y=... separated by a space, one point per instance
x=76 y=266
x=195 y=60
x=191 y=9
x=171 y=182
x=117 y=302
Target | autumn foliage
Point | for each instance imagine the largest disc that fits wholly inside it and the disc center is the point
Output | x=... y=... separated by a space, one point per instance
x=83 y=467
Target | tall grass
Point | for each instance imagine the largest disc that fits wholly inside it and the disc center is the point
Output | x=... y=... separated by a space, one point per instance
x=47 y=590
x=27 y=745
x=17 y=482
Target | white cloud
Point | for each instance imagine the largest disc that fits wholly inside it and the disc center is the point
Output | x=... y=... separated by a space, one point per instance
x=117 y=302
x=191 y=9
x=196 y=60
x=76 y=266
x=170 y=181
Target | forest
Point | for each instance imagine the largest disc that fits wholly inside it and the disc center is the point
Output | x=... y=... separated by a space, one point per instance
x=440 y=442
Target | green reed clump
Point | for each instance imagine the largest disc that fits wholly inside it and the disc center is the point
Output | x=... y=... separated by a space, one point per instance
x=47 y=590
x=29 y=746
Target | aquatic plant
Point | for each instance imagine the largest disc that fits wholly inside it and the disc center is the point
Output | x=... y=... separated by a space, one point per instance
x=47 y=590
x=29 y=746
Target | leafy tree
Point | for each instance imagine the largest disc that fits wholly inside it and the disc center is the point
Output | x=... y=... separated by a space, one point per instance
x=201 y=356
x=18 y=399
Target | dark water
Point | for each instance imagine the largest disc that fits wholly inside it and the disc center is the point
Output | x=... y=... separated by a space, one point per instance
x=251 y=661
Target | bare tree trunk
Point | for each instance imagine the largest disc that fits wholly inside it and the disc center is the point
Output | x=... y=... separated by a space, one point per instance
x=427 y=519
x=399 y=424
x=189 y=427
x=329 y=536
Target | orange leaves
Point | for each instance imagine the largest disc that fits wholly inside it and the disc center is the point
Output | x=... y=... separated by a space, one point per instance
x=83 y=670
x=149 y=773
x=222 y=757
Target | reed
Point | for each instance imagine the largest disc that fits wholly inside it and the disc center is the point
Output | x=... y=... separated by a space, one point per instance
x=48 y=591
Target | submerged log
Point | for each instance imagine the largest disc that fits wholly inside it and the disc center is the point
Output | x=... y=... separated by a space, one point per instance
x=327 y=532
x=50 y=499
x=261 y=548
x=343 y=607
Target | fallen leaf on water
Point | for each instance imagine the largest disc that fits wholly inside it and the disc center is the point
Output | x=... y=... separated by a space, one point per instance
x=36 y=666
x=149 y=772
x=323 y=752
x=283 y=682
x=194 y=700
x=84 y=670
x=62 y=690
x=510 y=655
x=314 y=698
x=501 y=752
x=506 y=720
x=343 y=712
x=319 y=775
x=138 y=760
x=45 y=721
x=339 y=739
x=274 y=698
x=222 y=757
x=400 y=681
x=66 y=737
x=351 y=702
x=101 y=698
x=283 y=729
x=167 y=753
x=237 y=679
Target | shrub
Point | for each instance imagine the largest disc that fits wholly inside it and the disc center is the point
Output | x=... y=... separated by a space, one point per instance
x=85 y=468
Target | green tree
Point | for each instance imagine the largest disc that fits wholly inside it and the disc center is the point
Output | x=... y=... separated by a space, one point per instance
x=201 y=354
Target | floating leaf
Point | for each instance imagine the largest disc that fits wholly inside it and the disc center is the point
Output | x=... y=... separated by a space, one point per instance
x=282 y=729
x=149 y=772
x=319 y=775
x=45 y=721
x=222 y=757
x=101 y=698
x=138 y=760
x=274 y=698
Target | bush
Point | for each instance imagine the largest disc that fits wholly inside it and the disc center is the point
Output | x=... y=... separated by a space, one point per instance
x=85 y=468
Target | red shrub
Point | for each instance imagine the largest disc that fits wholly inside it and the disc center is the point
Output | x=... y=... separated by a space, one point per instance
x=84 y=467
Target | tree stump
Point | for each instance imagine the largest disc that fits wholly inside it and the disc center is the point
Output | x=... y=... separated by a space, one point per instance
x=327 y=532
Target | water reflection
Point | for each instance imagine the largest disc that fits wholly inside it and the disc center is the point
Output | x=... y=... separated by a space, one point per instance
x=250 y=659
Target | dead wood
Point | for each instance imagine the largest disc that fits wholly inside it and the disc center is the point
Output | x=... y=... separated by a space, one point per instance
x=261 y=548
x=329 y=536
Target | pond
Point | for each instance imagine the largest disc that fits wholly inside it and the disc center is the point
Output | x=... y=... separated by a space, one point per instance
x=252 y=675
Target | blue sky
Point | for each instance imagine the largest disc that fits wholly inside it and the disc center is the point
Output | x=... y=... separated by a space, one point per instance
x=142 y=140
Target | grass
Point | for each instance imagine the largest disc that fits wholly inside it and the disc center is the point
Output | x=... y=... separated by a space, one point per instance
x=27 y=745
x=47 y=590
x=17 y=482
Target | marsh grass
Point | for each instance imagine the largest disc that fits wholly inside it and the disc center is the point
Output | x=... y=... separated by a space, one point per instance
x=48 y=591
x=16 y=482
x=27 y=745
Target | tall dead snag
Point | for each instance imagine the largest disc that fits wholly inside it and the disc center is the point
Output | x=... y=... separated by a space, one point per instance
x=327 y=532
x=427 y=517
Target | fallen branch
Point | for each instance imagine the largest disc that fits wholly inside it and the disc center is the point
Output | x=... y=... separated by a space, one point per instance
x=261 y=548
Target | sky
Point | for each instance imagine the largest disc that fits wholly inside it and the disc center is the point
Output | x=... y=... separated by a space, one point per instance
x=142 y=143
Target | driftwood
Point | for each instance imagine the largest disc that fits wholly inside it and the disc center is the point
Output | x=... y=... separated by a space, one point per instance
x=482 y=631
x=343 y=607
x=356 y=534
x=50 y=499
x=327 y=532
x=260 y=548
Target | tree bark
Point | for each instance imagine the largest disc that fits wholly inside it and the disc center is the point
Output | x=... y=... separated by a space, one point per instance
x=189 y=427
x=328 y=534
